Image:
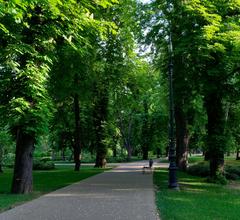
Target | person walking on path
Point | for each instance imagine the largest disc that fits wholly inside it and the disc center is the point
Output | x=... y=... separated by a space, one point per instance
x=150 y=163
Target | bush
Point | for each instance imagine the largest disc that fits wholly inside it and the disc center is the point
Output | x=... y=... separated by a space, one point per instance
x=202 y=169
x=232 y=172
x=199 y=169
x=43 y=164
x=8 y=160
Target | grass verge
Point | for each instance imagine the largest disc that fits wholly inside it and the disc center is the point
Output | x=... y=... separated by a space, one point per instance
x=196 y=199
x=43 y=182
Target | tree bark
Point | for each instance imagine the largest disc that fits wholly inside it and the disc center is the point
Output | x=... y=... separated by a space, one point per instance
x=100 y=117
x=182 y=138
x=145 y=132
x=22 y=178
x=115 y=152
x=207 y=155
x=215 y=128
x=77 y=138
x=238 y=154
x=1 y=158
x=129 y=150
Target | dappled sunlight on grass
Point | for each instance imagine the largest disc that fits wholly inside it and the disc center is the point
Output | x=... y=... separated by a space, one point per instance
x=194 y=198
x=43 y=182
x=178 y=199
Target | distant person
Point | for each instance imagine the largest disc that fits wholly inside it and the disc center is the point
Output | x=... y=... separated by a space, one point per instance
x=150 y=163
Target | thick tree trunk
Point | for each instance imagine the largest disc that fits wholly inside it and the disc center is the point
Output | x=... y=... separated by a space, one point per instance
x=215 y=128
x=77 y=138
x=100 y=117
x=22 y=178
x=182 y=139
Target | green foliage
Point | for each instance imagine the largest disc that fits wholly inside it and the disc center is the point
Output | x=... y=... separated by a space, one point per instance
x=8 y=160
x=199 y=169
x=43 y=164
x=202 y=169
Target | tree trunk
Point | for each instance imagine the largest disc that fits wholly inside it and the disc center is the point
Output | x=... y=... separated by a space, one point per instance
x=215 y=139
x=22 y=178
x=100 y=117
x=1 y=158
x=129 y=151
x=145 y=132
x=167 y=151
x=207 y=155
x=182 y=138
x=63 y=154
x=115 y=152
x=159 y=152
x=238 y=154
x=77 y=138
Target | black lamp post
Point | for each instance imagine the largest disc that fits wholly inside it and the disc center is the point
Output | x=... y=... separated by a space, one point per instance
x=172 y=183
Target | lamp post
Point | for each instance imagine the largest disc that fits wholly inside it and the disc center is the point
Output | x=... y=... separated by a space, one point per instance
x=172 y=183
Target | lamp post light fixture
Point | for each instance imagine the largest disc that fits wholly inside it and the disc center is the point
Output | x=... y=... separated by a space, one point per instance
x=172 y=182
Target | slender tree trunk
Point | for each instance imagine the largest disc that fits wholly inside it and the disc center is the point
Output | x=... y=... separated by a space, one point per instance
x=129 y=150
x=215 y=128
x=145 y=132
x=22 y=178
x=159 y=152
x=1 y=158
x=182 y=138
x=115 y=152
x=238 y=154
x=77 y=138
x=207 y=155
x=167 y=151
x=63 y=154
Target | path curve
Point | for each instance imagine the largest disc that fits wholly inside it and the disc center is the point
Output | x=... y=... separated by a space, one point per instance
x=119 y=194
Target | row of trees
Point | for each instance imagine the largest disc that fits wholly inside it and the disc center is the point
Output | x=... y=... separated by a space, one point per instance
x=70 y=71
x=206 y=72
x=70 y=74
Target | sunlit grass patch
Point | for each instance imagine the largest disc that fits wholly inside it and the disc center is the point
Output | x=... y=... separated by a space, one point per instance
x=43 y=182
x=196 y=199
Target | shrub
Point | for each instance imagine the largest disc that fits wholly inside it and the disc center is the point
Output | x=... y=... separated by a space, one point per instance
x=8 y=160
x=232 y=172
x=43 y=164
x=202 y=169
x=199 y=169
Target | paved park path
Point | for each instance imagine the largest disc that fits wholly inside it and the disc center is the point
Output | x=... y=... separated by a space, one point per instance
x=119 y=194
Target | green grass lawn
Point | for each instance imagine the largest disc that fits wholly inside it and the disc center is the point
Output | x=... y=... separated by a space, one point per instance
x=43 y=182
x=196 y=199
